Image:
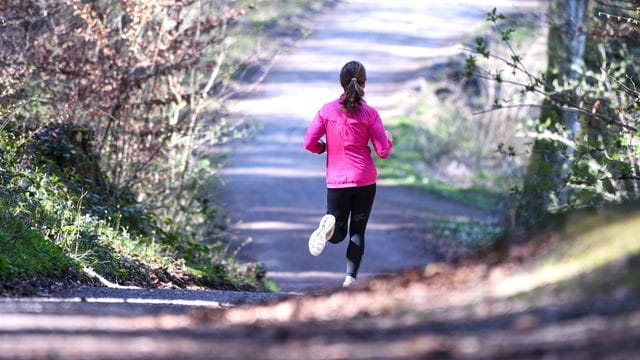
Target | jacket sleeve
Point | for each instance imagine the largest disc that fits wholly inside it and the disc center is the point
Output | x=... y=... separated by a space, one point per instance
x=314 y=133
x=381 y=143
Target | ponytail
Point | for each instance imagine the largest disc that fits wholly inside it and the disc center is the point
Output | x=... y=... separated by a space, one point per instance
x=352 y=78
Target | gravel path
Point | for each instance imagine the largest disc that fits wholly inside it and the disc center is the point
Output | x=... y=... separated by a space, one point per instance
x=275 y=189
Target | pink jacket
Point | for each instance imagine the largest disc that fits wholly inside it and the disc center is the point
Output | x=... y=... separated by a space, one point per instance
x=349 y=162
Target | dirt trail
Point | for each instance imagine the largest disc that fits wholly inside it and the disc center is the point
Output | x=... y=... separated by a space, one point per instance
x=276 y=189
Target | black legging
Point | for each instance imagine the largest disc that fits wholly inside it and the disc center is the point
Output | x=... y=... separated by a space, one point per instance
x=357 y=202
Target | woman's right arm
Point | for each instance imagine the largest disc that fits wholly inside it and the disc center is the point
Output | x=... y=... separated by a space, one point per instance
x=381 y=139
x=312 y=139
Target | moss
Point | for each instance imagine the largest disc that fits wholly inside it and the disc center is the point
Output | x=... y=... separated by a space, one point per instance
x=26 y=253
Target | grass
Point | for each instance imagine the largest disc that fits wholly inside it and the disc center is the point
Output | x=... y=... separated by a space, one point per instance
x=271 y=285
x=479 y=197
x=416 y=149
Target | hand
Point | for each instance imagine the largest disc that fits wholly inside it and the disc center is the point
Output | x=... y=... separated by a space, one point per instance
x=389 y=136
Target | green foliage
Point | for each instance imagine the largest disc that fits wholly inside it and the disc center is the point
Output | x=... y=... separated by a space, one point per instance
x=471 y=65
x=271 y=285
x=447 y=145
x=494 y=16
x=481 y=48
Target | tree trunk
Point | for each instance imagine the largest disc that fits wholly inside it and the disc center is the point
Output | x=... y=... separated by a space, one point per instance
x=613 y=40
x=544 y=184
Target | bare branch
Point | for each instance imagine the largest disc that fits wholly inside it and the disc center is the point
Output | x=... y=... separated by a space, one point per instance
x=562 y=108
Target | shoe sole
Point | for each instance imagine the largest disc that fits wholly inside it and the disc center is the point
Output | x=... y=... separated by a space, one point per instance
x=349 y=283
x=324 y=232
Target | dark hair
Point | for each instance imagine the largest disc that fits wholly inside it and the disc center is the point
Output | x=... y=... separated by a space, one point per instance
x=352 y=78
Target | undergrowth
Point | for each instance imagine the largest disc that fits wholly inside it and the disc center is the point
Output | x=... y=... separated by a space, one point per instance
x=57 y=219
x=475 y=235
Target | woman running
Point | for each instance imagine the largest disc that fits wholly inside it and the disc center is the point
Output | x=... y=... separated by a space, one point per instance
x=348 y=123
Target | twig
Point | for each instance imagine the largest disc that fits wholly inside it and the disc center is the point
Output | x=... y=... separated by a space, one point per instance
x=564 y=108
x=104 y=281
x=552 y=136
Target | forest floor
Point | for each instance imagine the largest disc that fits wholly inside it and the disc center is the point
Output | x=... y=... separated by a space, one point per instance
x=569 y=294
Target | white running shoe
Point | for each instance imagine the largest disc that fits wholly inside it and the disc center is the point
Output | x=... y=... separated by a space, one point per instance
x=322 y=234
x=348 y=281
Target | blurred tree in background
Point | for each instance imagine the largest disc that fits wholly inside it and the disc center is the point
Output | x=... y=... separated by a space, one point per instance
x=549 y=160
x=586 y=146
